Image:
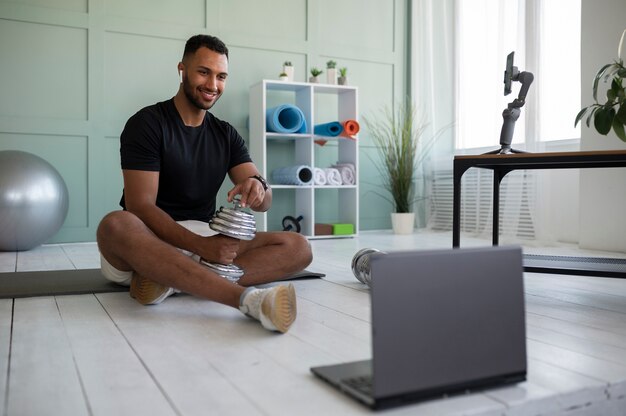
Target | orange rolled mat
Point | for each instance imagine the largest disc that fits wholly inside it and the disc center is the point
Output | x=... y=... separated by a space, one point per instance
x=350 y=128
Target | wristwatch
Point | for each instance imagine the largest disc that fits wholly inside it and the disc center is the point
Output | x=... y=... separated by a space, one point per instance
x=262 y=180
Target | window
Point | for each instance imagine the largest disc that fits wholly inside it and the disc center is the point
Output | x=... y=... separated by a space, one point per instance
x=545 y=36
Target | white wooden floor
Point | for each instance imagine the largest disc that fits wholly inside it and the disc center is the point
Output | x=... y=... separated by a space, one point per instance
x=107 y=355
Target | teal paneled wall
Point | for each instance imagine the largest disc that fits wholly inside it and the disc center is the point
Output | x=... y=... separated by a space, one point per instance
x=73 y=71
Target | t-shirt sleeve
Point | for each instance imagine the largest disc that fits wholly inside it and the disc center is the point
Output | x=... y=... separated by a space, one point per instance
x=238 y=151
x=140 y=144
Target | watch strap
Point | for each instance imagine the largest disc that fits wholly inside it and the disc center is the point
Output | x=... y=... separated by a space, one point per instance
x=262 y=180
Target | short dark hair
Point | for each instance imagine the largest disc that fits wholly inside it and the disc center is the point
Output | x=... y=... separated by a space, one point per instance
x=198 y=41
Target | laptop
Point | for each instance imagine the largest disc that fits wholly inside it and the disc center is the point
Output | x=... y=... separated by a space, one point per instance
x=443 y=322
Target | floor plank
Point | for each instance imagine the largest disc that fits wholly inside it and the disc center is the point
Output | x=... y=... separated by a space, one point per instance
x=44 y=379
x=6 y=318
x=113 y=377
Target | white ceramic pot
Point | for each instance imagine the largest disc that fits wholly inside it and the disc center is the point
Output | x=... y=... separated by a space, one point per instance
x=289 y=70
x=403 y=222
x=331 y=75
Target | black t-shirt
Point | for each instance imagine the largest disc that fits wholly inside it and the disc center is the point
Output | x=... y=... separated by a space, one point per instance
x=192 y=161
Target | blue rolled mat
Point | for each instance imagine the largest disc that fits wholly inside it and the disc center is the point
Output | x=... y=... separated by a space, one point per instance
x=285 y=118
x=331 y=129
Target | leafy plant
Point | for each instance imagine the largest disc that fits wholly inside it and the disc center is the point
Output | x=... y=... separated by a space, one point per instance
x=331 y=64
x=283 y=74
x=398 y=137
x=287 y=63
x=316 y=71
x=343 y=72
x=611 y=114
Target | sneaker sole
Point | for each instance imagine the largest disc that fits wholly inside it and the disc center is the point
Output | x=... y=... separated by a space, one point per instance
x=281 y=308
x=148 y=292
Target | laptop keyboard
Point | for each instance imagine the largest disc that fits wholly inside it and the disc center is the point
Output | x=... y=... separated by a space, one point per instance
x=364 y=384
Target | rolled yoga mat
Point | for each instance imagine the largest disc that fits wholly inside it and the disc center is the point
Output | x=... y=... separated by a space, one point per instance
x=350 y=128
x=293 y=175
x=285 y=118
x=332 y=129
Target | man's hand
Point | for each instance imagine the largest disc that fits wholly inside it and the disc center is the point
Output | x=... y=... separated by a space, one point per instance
x=219 y=249
x=251 y=191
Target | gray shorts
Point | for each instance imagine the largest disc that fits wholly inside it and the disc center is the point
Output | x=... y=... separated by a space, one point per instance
x=124 y=278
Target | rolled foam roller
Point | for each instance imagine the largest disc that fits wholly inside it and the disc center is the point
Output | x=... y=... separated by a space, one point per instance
x=293 y=175
x=332 y=129
x=285 y=118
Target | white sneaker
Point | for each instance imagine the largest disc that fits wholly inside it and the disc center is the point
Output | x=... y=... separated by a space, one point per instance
x=275 y=307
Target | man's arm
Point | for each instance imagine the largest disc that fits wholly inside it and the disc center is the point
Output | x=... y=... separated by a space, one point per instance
x=140 y=192
x=251 y=189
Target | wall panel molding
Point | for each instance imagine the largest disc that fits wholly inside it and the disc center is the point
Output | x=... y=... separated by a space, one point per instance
x=99 y=61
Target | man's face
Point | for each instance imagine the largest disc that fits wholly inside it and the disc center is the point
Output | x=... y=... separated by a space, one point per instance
x=204 y=77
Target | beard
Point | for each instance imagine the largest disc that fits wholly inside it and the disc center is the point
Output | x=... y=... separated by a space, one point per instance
x=194 y=99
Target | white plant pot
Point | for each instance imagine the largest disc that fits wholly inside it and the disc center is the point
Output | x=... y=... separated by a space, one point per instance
x=289 y=70
x=314 y=80
x=403 y=222
x=331 y=76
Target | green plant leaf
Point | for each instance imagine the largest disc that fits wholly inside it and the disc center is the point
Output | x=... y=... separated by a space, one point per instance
x=604 y=119
x=598 y=77
x=621 y=113
x=580 y=115
x=618 y=128
x=591 y=113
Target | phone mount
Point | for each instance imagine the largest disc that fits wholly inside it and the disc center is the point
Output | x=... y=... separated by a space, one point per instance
x=513 y=110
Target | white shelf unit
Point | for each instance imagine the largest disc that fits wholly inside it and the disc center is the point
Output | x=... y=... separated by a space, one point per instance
x=320 y=103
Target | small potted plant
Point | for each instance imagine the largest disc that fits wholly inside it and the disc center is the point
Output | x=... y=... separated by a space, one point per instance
x=331 y=72
x=315 y=73
x=611 y=114
x=283 y=77
x=289 y=70
x=343 y=78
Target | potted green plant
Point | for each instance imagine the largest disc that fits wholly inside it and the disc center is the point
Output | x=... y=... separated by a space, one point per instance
x=331 y=72
x=315 y=73
x=343 y=77
x=283 y=76
x=611 y=114
x=397 y=134
x=289 y=70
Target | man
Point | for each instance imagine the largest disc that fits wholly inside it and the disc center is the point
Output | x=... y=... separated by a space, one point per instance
x=175 y=156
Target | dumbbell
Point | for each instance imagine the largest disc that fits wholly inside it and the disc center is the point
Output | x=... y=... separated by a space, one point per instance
x=361 y=265
x=235 y=223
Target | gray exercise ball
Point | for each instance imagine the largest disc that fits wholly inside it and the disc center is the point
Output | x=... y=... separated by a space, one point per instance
x=33 y=201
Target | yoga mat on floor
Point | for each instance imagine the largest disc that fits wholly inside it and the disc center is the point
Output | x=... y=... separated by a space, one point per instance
x=55 y=282
x=75 y=282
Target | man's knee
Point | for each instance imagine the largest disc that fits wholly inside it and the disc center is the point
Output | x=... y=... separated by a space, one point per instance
x=118 y=225
x=300 y=246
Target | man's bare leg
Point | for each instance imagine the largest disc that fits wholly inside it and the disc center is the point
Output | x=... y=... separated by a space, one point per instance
x=128 y=244
x=271 y=256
